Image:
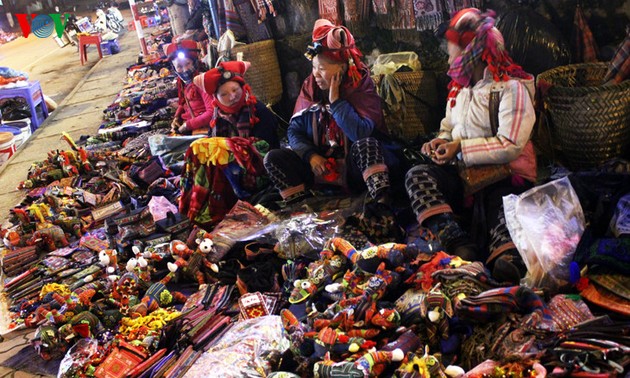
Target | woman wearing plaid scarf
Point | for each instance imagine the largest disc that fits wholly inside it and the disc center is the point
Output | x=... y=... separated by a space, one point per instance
x=479 y=66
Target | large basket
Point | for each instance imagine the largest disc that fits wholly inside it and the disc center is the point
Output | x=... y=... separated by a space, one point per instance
x=418 y=115
x=264 y=74
x=589 y=121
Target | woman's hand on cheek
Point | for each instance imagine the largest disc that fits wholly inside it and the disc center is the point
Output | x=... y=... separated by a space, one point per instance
x=335 y=84
x=318 y=165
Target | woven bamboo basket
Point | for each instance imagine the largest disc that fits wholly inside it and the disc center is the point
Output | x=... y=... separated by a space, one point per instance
x=264 y=74
x=418 y=115
x=589 y=122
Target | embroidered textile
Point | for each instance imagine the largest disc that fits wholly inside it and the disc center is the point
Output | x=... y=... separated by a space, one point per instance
x=429 y=14
x=329 y=9
x=403 y=16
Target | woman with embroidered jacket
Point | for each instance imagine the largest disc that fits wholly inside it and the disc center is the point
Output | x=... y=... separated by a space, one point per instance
x=236 y=111
x=337 y=115
x=194 y=108
x=479 y=65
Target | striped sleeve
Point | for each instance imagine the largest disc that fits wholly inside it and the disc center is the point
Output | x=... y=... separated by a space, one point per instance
x=516 y=120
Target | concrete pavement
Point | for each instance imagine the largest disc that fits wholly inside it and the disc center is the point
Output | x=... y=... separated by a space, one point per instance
x=80 y=113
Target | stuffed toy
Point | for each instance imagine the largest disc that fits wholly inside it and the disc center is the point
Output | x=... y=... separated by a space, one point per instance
x=109 y=259
x=198 y=261
x=369 y=258
x=436 y=309
x=319 y=274
x=49 y=343
x=180 y=252
x=417 y=366
x=124 y=293
x=51 y=238
x=157 y=295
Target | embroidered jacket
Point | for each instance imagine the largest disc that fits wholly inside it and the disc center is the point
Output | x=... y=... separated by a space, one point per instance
x=469 y=121
x=201 y=104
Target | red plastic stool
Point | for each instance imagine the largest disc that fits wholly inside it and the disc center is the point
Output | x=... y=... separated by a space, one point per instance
x=84 y=41
x=144 y=21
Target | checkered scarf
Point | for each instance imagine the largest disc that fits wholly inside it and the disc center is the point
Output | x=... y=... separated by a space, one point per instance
x=487 y=47
x=585 y=48
x=619 y=66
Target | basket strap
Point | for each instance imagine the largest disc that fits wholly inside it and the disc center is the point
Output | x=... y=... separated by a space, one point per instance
x=407 y=92
x=493 y=106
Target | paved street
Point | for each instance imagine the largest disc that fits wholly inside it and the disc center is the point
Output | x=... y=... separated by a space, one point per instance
x=58 y=69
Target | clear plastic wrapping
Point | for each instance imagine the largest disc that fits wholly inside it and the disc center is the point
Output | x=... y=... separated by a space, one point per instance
x=546 y=224
x=243 y=351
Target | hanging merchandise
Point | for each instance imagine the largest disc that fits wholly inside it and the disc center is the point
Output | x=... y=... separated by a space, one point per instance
x=429 y=14
x=356 y=14
x=403 y=16
x=584 y=47
x=264 y=9
x=255 y=29
x=329 y=9
x=532 y=40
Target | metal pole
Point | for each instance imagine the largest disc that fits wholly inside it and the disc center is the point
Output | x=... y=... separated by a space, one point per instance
x=215 y=18
x=138 y=25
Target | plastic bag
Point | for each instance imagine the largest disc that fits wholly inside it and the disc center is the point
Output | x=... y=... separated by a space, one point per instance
x=244 y=349
x=305 y=234
x=171 y=148
x=546 y=224
x=77 y=357
x=160 y=207
x=532 y=40
x=390 y=63
x=242 y=221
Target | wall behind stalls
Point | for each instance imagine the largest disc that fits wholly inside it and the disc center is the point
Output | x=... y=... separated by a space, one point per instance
x=293 y=26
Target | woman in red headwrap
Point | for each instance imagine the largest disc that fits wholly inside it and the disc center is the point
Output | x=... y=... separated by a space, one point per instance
x=337 y=116
x=480 y=69
x=236 y=111
x=194 y=109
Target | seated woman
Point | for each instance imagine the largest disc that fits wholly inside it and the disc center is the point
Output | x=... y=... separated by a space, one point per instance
x=480 y=69
x=235 y=109
x=229 y=165
x=194 y=109
x=337 y=115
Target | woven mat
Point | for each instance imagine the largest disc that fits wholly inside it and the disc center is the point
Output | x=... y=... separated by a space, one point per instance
x=28 y=361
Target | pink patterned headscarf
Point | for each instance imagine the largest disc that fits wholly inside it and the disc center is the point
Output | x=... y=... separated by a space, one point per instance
x=475 y=32
x=339 y=46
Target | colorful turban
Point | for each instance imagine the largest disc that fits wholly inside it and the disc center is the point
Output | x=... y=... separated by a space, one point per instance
x=481 y=41
x=337 y=44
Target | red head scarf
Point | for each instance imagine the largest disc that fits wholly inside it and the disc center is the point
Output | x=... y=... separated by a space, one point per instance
x=211 y=80
x=337 y=44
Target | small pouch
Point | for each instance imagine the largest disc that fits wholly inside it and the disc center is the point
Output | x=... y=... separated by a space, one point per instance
x=120 y=361
x=132 y=217
x=478 y=177
x=148 y=172
x=253 y=305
